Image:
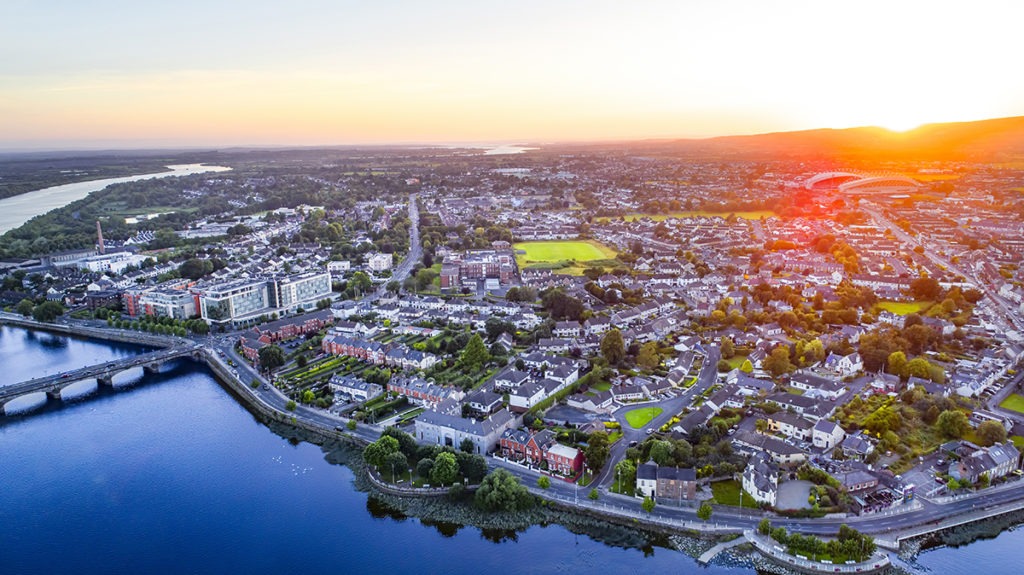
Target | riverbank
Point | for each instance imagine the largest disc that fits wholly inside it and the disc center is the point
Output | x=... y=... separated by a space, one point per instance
x=297 y=428
x=16 y=210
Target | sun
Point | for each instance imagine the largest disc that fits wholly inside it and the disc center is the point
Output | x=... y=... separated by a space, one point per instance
x=900 y=125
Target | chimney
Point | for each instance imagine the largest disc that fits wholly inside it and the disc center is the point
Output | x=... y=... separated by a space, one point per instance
x=99 y=237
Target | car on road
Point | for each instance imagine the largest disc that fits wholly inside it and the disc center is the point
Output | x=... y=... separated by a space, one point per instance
x=650 y=430
x=633 y=443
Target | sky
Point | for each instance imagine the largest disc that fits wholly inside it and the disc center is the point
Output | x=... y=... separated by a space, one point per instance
x=106 y=73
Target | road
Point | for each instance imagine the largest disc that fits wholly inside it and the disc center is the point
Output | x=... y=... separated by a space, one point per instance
x=414 y=256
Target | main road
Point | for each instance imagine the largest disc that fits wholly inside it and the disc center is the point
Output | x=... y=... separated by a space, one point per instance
x=415 y=254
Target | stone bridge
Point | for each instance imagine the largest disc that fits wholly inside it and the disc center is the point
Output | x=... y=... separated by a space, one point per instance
x=53 y=385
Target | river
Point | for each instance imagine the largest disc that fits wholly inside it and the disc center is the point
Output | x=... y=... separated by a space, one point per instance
x=174 y=476
x=17 y=210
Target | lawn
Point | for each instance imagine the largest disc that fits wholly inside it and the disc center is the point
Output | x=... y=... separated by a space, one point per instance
x=728 y=493
x=902 y=308
x=638 y=418
x=601 y=386
x=749 y=215
x=1014 y=402
x=736 y=361
x=1018 y=441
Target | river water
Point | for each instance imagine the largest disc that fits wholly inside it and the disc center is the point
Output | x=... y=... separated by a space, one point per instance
x=17 y=210
x=174 y=476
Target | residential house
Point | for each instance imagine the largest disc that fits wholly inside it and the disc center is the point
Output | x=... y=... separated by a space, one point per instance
x=761 y=478
x=827 y=434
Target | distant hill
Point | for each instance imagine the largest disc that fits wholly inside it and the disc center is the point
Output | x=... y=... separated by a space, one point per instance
x=983 y=140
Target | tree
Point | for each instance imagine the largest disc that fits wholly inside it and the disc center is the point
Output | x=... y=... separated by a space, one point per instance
x=291 y=405
x=778 y=362
x=814 y=351
x=747 y=367
x=597 y=450
x=424 y=278
x=952 y=423
x=897 y=363
x=648 y=357
x=919 y=367
x=424 y=467
x=704 y=512
x=613 y=348
x=445 y=469
x=472 y=466
x=47 y=311
x=544 y=482
x=467 y=446
x=195 y=268
x=308 y=396
x=648 y=504
x=397 y=462
x=991 y=432
x=764 y=527
x=925 y=289
x=271 y=357
x=728 y=349
x=351 y=425
x=360 y=282
x=475 y=355
x=406 y=443
x=883 y=419
x=501 y=491
x=661 y=452
x=25 y=307
x=376 y=453
x=593 y=495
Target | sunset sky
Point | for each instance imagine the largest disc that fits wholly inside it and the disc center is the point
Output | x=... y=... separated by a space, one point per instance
x=126 y=73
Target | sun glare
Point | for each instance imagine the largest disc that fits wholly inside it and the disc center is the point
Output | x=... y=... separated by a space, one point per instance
x=901 y=126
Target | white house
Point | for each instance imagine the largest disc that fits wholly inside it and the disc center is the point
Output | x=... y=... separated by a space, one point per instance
x=827 y=434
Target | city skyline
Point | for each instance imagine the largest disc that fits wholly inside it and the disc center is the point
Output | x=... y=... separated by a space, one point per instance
x=106 y=75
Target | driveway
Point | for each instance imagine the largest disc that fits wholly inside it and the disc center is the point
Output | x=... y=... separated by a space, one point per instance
x=793 y=495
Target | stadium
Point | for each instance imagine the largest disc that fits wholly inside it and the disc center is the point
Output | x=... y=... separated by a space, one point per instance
x=855 y=184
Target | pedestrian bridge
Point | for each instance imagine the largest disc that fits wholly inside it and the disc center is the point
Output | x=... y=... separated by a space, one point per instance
x=53 y=385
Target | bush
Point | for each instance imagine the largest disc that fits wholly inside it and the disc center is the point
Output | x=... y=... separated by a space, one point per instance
x=544 y=482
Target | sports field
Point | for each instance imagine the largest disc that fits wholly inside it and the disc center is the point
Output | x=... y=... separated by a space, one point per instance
x=638 y=418
x=901 y=308
x=567 y=257
x=581 y=251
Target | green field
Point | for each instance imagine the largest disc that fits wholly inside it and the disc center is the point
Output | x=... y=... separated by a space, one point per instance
x=1014 y=402
x=561 y=256
x=1018 y=441
x=728 y=493
x=751 y=215
x=638 y=418
x=902 y=308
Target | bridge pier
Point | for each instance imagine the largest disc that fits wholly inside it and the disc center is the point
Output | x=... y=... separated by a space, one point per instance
x=106 y=379
x=54 y=393
x=151 y=368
